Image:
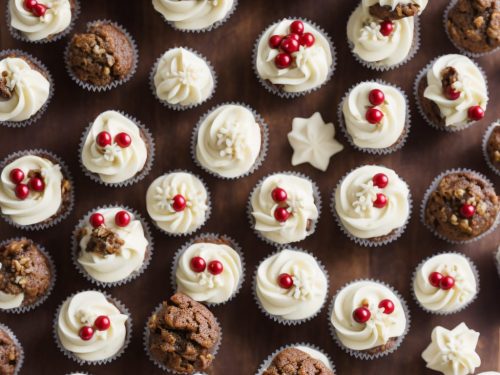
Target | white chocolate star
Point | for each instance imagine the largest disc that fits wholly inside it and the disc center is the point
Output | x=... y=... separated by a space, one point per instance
x=313 y=141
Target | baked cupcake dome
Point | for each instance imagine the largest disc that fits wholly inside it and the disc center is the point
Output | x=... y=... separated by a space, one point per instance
x=12 y=357
x=394 y=9
x=491 y=146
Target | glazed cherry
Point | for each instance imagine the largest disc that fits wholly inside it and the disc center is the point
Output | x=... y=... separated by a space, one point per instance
x=289 y=45
x=281 y=214
x=275 y=41
x=39 y=10
x=178 y=203
x=285 y=281
x=37 y=184
x=361 y=315
x=386 y=28
x=451 y=93
x=198 y=264
x=29 y=4
x=387 y=305
x=86 y=333
x=447 y=283
x=435 y=278
x=380 y=201
x=16 y=175
x=282 y=60
x=279 y=195
x=475 y=113
x=215 y=267
x=104 y=139
x=294 y=36
x=102 y=323
x=376 y=97
x=122 y=218
x=380 y=180
x=307 y=40
x=96 y=220
x=374 y=115
x=123 y=140
x=22 y=191
x=467 y=210
x=297 y=27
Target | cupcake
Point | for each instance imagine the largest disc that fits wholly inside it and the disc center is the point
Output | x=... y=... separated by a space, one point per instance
x=27 y=275
x=11 y=352
x=460 y=206
x=394 y=9
x=230 y=141
x=293 y=57
x=445 y=283
x=92 y=328
x=452 y=351
x=196 y=15
x=491 y=147
x=35 y=189
x=182 y=79
x=451 y=93
x=42 y=20
x=291 y=286
x=284 y=208
x=375 y=117
x=25 y=88
x=178 y=203
x=182 y=336
x=116 y=150
x=102 y=57
x=111 y=246
x=209 y=269
x=472 y=25
x=368 y=319
x=372 y=204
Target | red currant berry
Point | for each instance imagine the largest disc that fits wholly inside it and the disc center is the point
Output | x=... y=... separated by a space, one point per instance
x=361 y=315
x=86 y=333
x=452 y=94
x=386 y=28
x=102 y=323
x=376 y=97
x=475 y=113
x=374 y=115
x=22 y=191
x=103 y=139
x=297 y=27
x=447 y=283
x=16 y=175
x=467 y=210
x=281 y=214
x=289 y=45
x=215 y=267
x=380 y=180
x=283 y=60
x=285 y=281
x=307 y=40
x=279 y=195
x=96 y=220
x=178 y=203
x=123 y=140
x=381 y=201
x=29 y=4
x=37 y=184
x=294 y=36
x=122 y=218
x=275 y=41
x=435 y=278
x=198 y=264
x=387 y=305
x=39 y=10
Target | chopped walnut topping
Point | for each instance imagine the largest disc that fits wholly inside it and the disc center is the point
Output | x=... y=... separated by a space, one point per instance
x=104 y=241
x=448 y=77
x=5 y=91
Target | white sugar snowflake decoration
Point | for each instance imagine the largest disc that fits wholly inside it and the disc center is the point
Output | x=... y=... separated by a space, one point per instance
x=231 y=141
x=111 y=152
x=365 y=197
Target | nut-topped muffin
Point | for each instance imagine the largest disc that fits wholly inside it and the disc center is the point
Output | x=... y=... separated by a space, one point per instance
x=491 y=146
x=10 y=353
x=299 y=360
x=394 y=9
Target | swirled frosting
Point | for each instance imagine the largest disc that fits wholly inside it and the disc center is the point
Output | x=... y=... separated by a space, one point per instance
x=113 y=163
x=453 y=352
x=29 y=89
x=82 y=309
x=354 y=203
x=10 y=301
x=470 y=83
x=120 y=265
x=393 y=3
x=55 y=20
x=437 y=299
x=38 y=206
x=307 y=295
x=159 y=199
x=300 y=202
x=381 y=135
x=203 y=286
x=229 y=141
x=489 y=373
x=183 y=78
x=363 y=31
x=312 y=64
x=379 y=329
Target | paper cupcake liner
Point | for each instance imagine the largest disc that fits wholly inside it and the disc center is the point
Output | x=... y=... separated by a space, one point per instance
x=376 y=151
x=428 y=193
x=43 y=108
x=161 y=366
x=360 y=354
x=414 y=275
x=267 y=362
x=263 y=148
x=274 y=89
x=462 y=50
x=369 y=242
x=180 y=107
x=58 y=216
x=149 y=140
x=496 y=255
x=147 y=258
x=95 y=88
x=277 y=318
x=17 y=343
x=208 y=212
x=452 y=128
x=210 y=236
x=317 y=202
x=485 y=144
x=68 y=354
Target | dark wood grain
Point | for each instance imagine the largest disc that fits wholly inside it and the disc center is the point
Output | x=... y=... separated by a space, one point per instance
x=248 y=335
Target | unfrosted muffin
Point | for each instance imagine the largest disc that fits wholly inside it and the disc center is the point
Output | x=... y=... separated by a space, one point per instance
x=491 y=146
x=11 y=356
x=298 y=360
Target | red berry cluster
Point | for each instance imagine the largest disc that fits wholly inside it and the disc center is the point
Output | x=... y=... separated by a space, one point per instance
x=380 y=180
x=290 y=43
x=178 y=203
x=199 y=265
x=285 y=281
x=35 y=7
x=104 y=139
x=362 y=314
x=22 y=190
x=374 y=115
x=281 y=212
x=101 y=323
x=438 y=280
x=122 y=219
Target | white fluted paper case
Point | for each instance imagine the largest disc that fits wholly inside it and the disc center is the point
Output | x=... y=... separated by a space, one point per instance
x=484 y=144
x=17 y=343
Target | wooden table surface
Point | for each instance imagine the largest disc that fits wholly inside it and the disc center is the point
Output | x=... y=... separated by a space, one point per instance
x=248 y=335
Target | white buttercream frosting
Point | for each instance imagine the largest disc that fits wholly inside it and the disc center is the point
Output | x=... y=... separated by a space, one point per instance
x=393 y=3
x=11 y=301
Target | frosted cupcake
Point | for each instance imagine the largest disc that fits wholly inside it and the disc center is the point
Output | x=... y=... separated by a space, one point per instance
x=115 y=150
x=445 y=283
x=293 y=57
x=178 y=203
x=284 y=208
x=368 y=319
x=452 y=92
x=375 y=117
x=372 y=205
x=182 y=79
x=291 y=286
x=230 y=141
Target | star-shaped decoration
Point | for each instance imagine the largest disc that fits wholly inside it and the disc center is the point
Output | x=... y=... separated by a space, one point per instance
x=313 y=141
